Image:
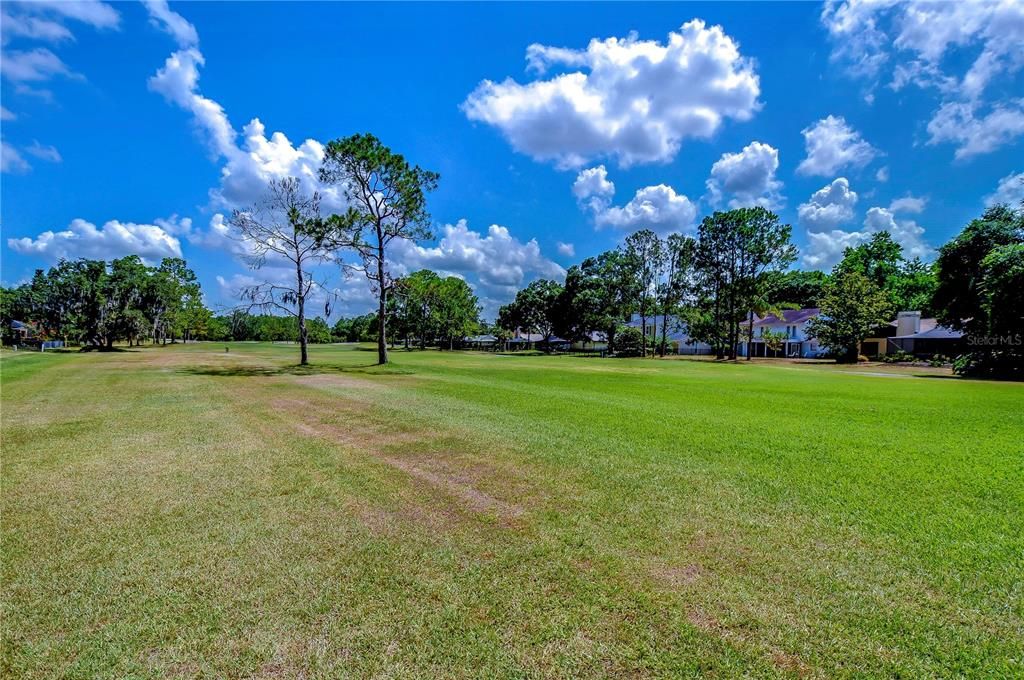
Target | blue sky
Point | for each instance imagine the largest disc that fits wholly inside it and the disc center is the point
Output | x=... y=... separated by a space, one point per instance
x=126 y=127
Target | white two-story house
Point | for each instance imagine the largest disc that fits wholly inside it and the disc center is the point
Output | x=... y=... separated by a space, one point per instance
x=797 y=342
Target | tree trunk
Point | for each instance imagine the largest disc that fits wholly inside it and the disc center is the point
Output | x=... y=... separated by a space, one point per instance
x=719 y=345
x=750 y=336
x=382 y=326
x=643 y=334
x=303 y=335
x=664 y=335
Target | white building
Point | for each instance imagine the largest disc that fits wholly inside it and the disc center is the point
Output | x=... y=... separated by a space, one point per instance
x=797 y=342
x=678 y=336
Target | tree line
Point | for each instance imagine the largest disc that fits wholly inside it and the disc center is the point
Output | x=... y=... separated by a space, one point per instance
x=738 y=267
x=736 y=264
x=94 y=303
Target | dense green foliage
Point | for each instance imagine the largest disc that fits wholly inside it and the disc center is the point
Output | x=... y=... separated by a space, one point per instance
x=645 y=254
x=535 y=309
x=909 y=284
x=852 y=305
x=630 y=342
x=95 y=304
x=598 y=295
x=797 y=289
x=243 y=326
x=981 y=291
x=738 y=255
x=356 y=329
x=427 y=309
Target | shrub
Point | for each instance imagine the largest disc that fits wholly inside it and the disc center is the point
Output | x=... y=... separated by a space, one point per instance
x=1006 y=365
x=897 y=357
x=670 y=347
x=628 y=342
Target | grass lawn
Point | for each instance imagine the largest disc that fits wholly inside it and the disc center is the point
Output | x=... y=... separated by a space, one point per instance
x=186 y=512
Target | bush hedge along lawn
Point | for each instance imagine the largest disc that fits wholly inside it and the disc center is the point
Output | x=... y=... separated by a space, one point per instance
x=186 y=511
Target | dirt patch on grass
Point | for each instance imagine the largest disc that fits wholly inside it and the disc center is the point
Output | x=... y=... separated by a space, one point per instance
x=677 y=576
x=458 y=485
x=789 y=663
x=783 y=661
x=452 y=476
x=339 y=380
x=705 y=621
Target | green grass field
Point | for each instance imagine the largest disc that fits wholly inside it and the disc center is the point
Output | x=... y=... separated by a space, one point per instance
x=186 y=512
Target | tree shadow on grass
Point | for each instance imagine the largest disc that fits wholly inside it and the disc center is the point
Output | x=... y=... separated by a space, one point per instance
x=291 y=369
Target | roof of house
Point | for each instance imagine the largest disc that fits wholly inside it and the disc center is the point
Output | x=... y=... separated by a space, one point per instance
x=19 y=325
x=789 y=316
x=536 y=337
x=481 y=338
x=527 y=337
x=934 y=333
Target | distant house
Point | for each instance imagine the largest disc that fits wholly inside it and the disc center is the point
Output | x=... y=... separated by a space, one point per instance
x=924 y=338
x=521 y=340
x=594 y=342
x=22 y=331
x=910 y=333
x=797 y=342
x=678 y=335
x=27 y=335
x=480 y=342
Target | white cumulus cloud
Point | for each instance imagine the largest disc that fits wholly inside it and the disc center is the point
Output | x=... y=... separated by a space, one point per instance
x=907 y=233
x=629 y=99
x=832 y=145
x=499 y=262
x=747 y=178
x=172 y=23
x=1009 y=191
x=870 y=35
x=957 y=123
x=825 y=248
x=829 y=206
x=593 y=189
x=566 y=249
x=251 y=164
x=113 y=239
x=960 y=49
x=658 y=208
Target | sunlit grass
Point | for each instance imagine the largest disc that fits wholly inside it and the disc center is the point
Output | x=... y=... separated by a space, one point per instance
x=194 y=512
